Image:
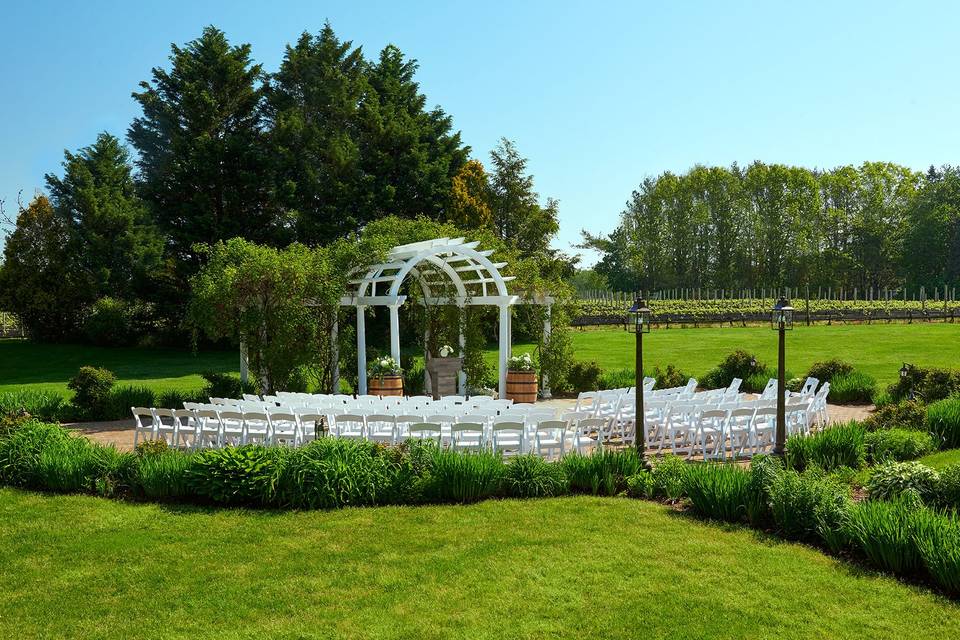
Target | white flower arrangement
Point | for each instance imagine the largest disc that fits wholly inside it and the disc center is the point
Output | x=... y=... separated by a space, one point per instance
x=385 y=366
x=445 y=351
x=520 y=363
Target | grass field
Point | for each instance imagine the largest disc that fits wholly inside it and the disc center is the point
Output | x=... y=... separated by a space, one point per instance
x=876 y=349
x=942 y=459
x=569 y=567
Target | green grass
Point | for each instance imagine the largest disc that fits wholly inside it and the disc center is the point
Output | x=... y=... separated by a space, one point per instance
x=877 y=350
x=47 y=366
x=568 y=567
x=942 y=459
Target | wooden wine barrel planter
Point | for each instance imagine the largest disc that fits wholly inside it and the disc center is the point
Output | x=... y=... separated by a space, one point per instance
x=385 y=386
x=522 y=386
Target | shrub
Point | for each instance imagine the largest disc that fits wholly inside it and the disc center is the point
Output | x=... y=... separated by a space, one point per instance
x=151 y=447
x=943 y=422
x=891 y=479
x=414 y=380
x=43 y=405
x=111 y=322
x=930 y=383
x=603 y=472
x=245 y=475
x=584 y=376
x=331 y=473
x=907 y=414
x=66 y=465
x=667 y=477
x=121 y=399
x=530 y=476
x=764 y=470
x=719 y=491
x=20 y=453
x=115 y=471
x=739 y=364
x=882 y=398
x=91 y=391
x=174 y=398
x=669 y=377
x=841 y=445
x=640 y=485
x=852 y=388
x=808 y=506
x=757 y=382
x=939 y=546
x=617 y=379
x=948 y=490
x=888 y=533
x=225 y=385
x=898 y=445
x=162 y=474
x=462 y=477
x=828 y=370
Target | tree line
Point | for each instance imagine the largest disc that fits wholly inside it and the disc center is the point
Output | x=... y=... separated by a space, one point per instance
x=313 y=152
x=878 y=225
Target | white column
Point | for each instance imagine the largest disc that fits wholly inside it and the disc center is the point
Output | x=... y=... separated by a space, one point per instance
x=361 y=350
x=427 y=381
x=244 y=362
x=547 y=328
x=504 y=347
x=462 y=377
x=335 y=354
x=395 y=332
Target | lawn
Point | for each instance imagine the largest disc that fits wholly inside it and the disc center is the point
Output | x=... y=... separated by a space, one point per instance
x=942 y=459
x=877 y=349
x=584 y=567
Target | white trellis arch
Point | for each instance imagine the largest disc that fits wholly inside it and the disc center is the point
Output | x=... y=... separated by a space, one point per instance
x=475 y=279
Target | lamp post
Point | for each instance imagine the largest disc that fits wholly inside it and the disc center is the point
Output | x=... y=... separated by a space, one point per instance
x=904 y=374
x=781 y=320
x=639 y=324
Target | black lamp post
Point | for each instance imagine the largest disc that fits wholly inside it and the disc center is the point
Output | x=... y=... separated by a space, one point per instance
x=639 y=324
x=904 y=374
x=781 y=320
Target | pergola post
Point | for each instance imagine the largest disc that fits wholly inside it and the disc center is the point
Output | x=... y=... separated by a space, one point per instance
x=395 y=332
x=244 y=362
x=547 y=328
x=504 y=347
x=462 y=376
x=335 y=354
x=361 y=350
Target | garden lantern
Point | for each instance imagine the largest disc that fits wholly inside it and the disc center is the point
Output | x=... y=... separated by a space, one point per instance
x=638 y=323
x=905 y=370
x=781 y=319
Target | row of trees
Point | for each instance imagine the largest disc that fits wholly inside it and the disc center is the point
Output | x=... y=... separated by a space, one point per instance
x=311 y=153
x=876 y=225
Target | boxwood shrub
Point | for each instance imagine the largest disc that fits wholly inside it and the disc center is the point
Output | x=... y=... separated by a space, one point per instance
x=898 y=445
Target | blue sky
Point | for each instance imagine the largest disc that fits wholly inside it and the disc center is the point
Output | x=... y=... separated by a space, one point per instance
x=597 y=95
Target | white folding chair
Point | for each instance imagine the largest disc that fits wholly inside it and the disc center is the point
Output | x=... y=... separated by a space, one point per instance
x=349 y=425
x=549 y=436
x=583 y=439
x=425 y=431
x=508 y=436
x=166 y=426
x=710 y=434
x=208 y=429
x=145 y=425
x=231 y=427
x=256 y=427
x=284 y=428
x=467 y=436
x=382 y=428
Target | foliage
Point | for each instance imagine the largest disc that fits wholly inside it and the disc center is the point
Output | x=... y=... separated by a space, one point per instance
x=151 y=447
x=384 y=366
x=948 y=489
x=530 y=476
x=584 y=376
x=718 y=491
x=827 y=370
x=245 y=475
x=603 y=472
x=162 y=474
x=225 y=385
x=112 y=322
x=809 y=506
x=617 y=378
x=898 y=445
x=121 y=399
x=852 y=388
x=40 y=278
x=470 y=197
x=892 y=479
x=764 y=470
x=841 y=445
x=939 y=546
x=739 y=364
x=930 y=383
x=640 y=484
x=943 y=422
x=20 y=453
x=887 y=532
x=669 y=377
x=668 y=477
x=91 y=391
x=459 y=477
x=44 y=405
x=906 y=414
x=522 y=362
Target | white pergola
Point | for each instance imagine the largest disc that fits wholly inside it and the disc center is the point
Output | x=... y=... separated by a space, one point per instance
x=465 y=275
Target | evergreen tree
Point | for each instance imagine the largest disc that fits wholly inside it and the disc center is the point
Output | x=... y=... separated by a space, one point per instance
x=518 y=216
x=204 y=168
x=470 y=198
x=114 y=242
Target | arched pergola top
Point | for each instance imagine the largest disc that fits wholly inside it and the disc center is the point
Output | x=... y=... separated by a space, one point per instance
x=468 y=277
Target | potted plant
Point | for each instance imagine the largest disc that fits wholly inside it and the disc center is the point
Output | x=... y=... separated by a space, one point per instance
x=521 y=379
x=386 y=377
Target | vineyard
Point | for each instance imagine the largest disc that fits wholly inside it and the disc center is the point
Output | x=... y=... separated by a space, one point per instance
x=611 y=310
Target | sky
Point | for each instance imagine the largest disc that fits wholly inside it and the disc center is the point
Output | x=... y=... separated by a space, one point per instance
x=597 y=95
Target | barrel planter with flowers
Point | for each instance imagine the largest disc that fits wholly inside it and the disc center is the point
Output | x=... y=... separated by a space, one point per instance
x=521 y=379
x=385 y=377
